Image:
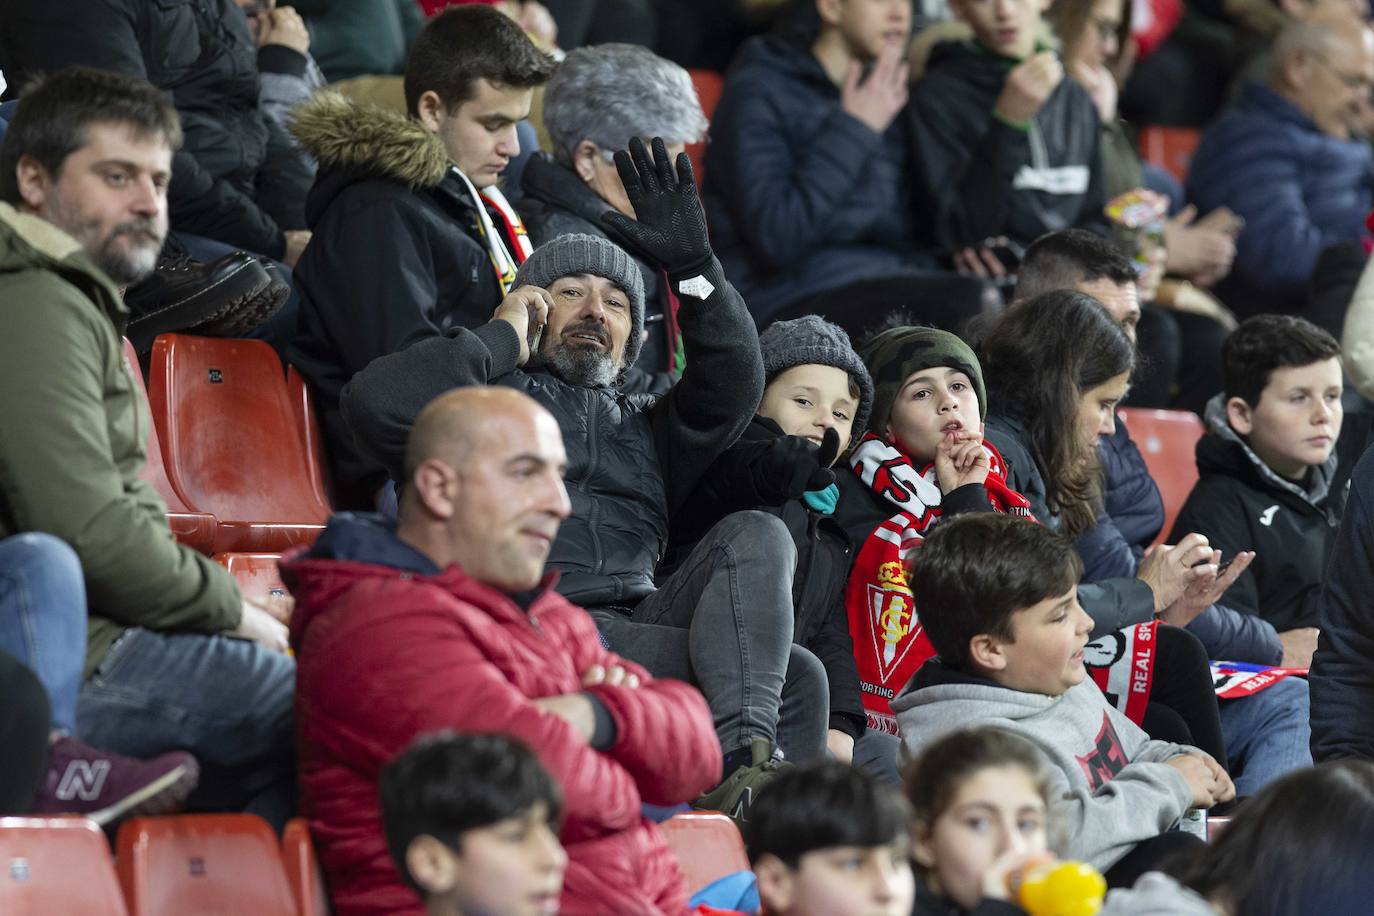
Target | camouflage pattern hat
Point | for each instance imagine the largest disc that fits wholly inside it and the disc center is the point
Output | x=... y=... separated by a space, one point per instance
x=897 y=353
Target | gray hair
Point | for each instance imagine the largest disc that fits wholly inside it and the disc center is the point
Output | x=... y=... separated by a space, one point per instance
x=609 y=93
x=1317 y=37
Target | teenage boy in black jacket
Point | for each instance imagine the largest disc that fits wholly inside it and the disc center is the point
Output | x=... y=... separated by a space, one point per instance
x=1275 y=467
x=1005 y=145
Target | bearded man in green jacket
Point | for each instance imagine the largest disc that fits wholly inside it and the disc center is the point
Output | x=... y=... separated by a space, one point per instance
x=84 y=169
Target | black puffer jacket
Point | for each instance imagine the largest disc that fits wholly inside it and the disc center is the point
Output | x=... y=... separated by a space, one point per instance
x=741 y=479
x=394 y=259
x=1240 y=504
x=979 y=177
x=556 y=202
x=632 y=459
x=235 y=180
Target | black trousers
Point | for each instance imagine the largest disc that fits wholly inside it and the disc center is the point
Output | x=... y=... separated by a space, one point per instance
x=24 y=724
x=943 y=299
x=1183 y=705
x=1154 y=854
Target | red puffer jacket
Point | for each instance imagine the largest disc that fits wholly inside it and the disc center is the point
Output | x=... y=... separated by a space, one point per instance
x=384 y=655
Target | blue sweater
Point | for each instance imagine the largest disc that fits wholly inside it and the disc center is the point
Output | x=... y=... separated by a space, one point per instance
x=1298 y=190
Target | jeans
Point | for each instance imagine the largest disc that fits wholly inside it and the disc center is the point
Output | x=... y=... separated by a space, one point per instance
x=227 y=701
x=723 y=621
x=878 y=754
x=1268 y=734
x=43 y=617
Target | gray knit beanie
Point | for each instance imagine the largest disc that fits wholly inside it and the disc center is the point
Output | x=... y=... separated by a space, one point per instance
x=812 y=340
x=589 y=254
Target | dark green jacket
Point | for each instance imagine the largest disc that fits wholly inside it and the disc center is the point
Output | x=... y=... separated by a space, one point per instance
x=73 y=431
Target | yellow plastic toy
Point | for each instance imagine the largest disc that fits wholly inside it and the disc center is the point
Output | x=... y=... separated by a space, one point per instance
x=1062 y=889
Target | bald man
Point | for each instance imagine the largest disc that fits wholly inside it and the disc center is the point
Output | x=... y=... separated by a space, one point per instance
x=448 y=621
x=1283 y=158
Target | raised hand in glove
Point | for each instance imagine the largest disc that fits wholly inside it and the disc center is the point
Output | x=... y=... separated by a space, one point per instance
x=671 y=226
x=792 y=466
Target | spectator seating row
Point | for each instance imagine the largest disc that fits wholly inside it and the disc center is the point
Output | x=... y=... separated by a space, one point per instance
x=234 y=448
x=1167 y=439
x=229 y=865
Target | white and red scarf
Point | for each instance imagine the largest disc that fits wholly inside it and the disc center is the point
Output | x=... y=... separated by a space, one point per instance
x=889 y=643
x=503 y=261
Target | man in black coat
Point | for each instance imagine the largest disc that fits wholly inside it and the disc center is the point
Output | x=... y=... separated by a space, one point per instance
x=237 y=179
x=724 y=619
x=406 y=246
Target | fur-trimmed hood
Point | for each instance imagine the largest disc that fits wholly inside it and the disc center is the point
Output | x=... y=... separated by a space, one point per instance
x=343 y=134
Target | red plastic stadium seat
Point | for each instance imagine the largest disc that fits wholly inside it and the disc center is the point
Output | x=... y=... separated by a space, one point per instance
x=708 y=84
x=256 y=573
x=225 y=864
x=1170 y=148
x=303 y=870
x=308 y=424
x=1167 y=438
x=194 y=529
x=230 y=442
x=56 y=865
x=708 y=847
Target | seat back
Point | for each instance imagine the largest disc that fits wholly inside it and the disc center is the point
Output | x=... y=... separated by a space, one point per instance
x=1170 y=148
x=308 y=424
x=154 y=470
x=222 y=864
x=229 y=436
x=1167 y=438
x=56 y=865
x=708 y=847
x=303 y=869
x=256 y=573
x=708 y=84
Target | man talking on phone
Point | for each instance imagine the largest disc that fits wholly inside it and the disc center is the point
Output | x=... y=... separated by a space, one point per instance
x=565 y=334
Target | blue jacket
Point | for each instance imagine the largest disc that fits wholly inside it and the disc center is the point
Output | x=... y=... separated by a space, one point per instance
x=1342 y=679
x=800 y=196
x=1298 y=190
x=1133 y=518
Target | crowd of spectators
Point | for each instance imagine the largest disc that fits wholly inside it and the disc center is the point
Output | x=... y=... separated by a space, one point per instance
x=794 y=488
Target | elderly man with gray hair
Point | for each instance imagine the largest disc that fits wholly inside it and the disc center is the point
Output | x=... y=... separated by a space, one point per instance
x=596 y=101
x=1284 y=159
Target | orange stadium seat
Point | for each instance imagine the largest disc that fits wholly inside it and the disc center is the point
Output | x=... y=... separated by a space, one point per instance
x=1167 y=438
x=222 y=864
x=708 y=84
x=230 y=441
x=256 y=573
x=303 y=405
x=303 y=870
x=1170 y=148
x=194 y=529
x=708 y=847
x=56 y=865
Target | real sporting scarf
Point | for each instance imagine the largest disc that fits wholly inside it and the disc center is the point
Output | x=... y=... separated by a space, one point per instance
x=502 y=261
x=889 y=642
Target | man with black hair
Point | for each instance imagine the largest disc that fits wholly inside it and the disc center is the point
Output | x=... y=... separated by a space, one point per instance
x=84 y=173
x=826 y=839
x=414 y=238
x=472 y=825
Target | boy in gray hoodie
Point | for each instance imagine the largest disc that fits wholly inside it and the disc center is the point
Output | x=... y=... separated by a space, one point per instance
x=998 y=603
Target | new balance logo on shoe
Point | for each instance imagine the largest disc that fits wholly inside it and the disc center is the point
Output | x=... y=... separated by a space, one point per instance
x=83 y=780
x=740 y=813
x=1267 y=516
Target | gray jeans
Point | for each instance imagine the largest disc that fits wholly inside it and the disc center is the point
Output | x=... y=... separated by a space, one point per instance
x=723 y=621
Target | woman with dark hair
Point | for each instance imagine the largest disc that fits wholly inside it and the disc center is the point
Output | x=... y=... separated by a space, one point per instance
x=1055 y=368
x=1303 y=845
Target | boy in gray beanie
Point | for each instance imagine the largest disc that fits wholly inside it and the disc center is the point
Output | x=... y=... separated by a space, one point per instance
x=562 y=266
x=817 y=399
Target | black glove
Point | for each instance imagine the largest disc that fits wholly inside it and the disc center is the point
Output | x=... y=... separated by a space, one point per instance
x=792 y=466
x=671 y=226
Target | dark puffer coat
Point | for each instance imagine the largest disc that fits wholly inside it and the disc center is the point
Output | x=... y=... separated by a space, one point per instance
x=632 y=459
x=236 y=179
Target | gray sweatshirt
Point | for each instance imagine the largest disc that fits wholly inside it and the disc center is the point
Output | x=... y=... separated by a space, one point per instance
x=1156 y=894
x=1109 y=785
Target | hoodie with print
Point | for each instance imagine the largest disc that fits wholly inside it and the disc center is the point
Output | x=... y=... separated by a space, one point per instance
x=1109 y=785
x=979 y=177
x=1239 y=503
